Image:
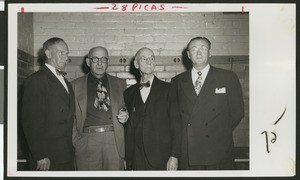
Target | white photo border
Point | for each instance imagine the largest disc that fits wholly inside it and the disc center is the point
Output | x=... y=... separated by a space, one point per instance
x=272 y=68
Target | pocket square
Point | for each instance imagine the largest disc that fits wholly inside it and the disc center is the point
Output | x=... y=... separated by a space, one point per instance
x=220 y=90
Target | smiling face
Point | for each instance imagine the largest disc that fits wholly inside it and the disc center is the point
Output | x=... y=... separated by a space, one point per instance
x=98 y=68
x=57 y=55
x=145 y=61
x=199 y=52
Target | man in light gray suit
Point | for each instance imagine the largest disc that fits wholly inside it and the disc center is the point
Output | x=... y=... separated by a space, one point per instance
x=98 y=133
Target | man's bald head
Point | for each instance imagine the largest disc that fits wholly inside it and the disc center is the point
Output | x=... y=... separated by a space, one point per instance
x=97 y=49
x=144 y=52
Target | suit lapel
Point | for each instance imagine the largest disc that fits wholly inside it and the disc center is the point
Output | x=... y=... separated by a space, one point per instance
x=153 y=92
x=188 y=86
x=205 y=93
x=54 y=83
x=71 y=99
x=82 y=99
x=113 y=95
x=208 y=86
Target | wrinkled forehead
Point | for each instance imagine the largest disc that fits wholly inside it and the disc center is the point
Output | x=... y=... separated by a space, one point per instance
x=62 y=46
x=199 y=43
x=145 y=53
x=98 y=52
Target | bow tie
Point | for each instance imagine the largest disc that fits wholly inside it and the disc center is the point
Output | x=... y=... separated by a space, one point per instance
x=146 y=84
x=59 y=72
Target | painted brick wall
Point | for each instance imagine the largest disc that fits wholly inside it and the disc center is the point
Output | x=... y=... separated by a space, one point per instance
x=166 y=33
x=124 y=33
x=25 y=46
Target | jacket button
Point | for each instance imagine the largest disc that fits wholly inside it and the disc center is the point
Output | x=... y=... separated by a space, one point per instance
x=61 y=110
x=207 y=136
x=206 y=124
x=182 y=111
x=213 y=109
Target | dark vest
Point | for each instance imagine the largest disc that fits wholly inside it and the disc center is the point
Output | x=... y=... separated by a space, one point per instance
x=138 y=119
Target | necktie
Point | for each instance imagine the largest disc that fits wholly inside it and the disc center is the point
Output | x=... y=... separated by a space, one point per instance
x=146 y=84
x=198 y=83
x=60 y=72
x=102 y=100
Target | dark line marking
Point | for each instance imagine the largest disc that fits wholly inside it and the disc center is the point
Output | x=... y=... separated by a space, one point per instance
x=102 y=8
x=179 y=7
x=22 y=9
x=280 y=116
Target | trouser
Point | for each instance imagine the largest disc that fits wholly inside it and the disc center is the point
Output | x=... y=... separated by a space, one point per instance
x=227 y=163
x=98 y=151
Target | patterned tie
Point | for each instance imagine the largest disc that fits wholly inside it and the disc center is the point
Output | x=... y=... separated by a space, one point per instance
x=102 y=99
x=198 y=83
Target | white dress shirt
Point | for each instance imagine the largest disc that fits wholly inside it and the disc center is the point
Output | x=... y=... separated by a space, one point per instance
x=204 y=73
x=145 y=91
x=59 y=77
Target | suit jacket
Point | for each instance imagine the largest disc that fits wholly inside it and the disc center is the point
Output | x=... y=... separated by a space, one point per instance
x=209 y=118
x=47 y=117
x=116 y=87
x=161 y=125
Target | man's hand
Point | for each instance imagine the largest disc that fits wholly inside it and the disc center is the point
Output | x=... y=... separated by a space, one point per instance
x=172 y=164
x=123 y=115
x=43 y=164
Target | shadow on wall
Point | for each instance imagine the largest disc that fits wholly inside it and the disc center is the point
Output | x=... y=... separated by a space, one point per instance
x=85 y=69
x=187 y=63
x=41 y=57
x=134 y=71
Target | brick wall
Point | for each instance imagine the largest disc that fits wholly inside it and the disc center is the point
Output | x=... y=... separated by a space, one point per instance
x=166 y=33
x=25 y=46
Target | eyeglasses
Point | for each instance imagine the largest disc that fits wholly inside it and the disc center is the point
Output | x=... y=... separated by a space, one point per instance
x=149 y=59
x=96 y=59
x=195 y=49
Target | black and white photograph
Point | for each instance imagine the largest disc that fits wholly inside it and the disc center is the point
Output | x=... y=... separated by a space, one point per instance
x=124 y=89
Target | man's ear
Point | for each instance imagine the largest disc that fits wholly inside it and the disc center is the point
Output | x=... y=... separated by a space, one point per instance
x=48 y=54
x=88 y=62
x=188 y=54
x=209 y=54
x=135 y=63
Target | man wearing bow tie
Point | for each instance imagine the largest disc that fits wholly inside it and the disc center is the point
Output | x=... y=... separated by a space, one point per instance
x=98 y=134
x=211 y=106
x=153 y=131
x=48 y=111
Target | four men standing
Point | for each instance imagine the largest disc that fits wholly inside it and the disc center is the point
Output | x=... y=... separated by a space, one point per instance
x=184 y=125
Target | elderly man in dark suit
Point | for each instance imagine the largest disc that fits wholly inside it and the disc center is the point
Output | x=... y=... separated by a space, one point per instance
x=48 y=111
x=98 y=134
x=211 y=106
x=153 y=132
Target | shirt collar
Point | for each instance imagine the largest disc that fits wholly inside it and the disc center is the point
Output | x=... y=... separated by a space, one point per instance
x=52 y=69
x=204 y=71
x=94 y=79
x=151 y=80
